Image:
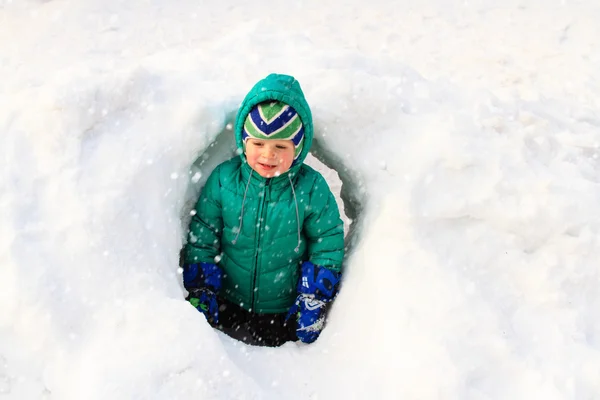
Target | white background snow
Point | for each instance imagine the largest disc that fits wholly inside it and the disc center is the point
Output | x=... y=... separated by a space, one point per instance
x=467 y=137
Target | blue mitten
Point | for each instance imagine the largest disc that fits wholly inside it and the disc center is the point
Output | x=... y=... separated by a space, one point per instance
x=317 y=287
x=205 y=301
x=203 y=281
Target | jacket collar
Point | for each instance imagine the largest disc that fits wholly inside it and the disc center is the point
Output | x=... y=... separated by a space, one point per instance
x=279 y=182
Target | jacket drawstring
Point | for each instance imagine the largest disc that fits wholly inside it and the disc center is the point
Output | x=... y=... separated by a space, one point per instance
x=297 y=249
x=242 y=211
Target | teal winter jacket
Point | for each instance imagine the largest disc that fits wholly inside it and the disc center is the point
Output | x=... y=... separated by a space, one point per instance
x=259 y=230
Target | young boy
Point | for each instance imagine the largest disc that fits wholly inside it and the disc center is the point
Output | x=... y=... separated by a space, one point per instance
x=266 y=242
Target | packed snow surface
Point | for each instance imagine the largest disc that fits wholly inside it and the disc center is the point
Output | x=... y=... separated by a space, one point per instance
x=466 y=135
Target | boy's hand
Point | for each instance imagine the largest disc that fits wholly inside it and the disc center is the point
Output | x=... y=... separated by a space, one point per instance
x=205 y=301
x=317 y=287
x=203 y=281
x=202 y=275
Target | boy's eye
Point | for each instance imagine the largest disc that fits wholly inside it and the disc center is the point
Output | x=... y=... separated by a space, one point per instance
x=281 y=146
x=259 y=144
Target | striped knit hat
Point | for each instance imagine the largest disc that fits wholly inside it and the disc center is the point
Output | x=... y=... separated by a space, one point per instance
x=274 y=120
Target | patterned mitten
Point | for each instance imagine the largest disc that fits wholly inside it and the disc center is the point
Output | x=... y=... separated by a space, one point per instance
x=317 y=286
x=203 y=281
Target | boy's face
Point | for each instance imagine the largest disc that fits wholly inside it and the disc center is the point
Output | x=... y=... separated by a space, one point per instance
x=270 y=157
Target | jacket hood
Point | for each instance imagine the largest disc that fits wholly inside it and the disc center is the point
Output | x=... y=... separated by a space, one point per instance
x=284 y=88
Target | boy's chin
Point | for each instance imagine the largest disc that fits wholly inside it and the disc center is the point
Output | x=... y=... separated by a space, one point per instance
x=268 y=174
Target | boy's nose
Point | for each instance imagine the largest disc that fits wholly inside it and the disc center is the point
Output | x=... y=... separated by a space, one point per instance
x=269 y=153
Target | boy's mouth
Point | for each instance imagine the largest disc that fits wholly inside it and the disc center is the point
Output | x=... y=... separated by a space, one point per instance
x=267 y=166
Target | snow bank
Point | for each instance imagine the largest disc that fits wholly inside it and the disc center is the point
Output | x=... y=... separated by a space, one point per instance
x=472 y=176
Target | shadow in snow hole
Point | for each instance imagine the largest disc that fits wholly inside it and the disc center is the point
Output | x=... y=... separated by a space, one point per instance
x=342 y=180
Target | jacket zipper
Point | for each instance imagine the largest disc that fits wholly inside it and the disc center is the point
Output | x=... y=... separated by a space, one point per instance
x=258 y=237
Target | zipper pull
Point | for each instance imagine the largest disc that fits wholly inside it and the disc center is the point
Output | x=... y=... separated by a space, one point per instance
x=268 y=190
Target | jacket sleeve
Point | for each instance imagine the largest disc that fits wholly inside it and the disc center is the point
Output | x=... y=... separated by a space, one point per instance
x=206 y=226
x=324 y=228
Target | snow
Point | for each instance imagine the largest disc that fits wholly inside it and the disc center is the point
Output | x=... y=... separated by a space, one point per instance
x=466 y=138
